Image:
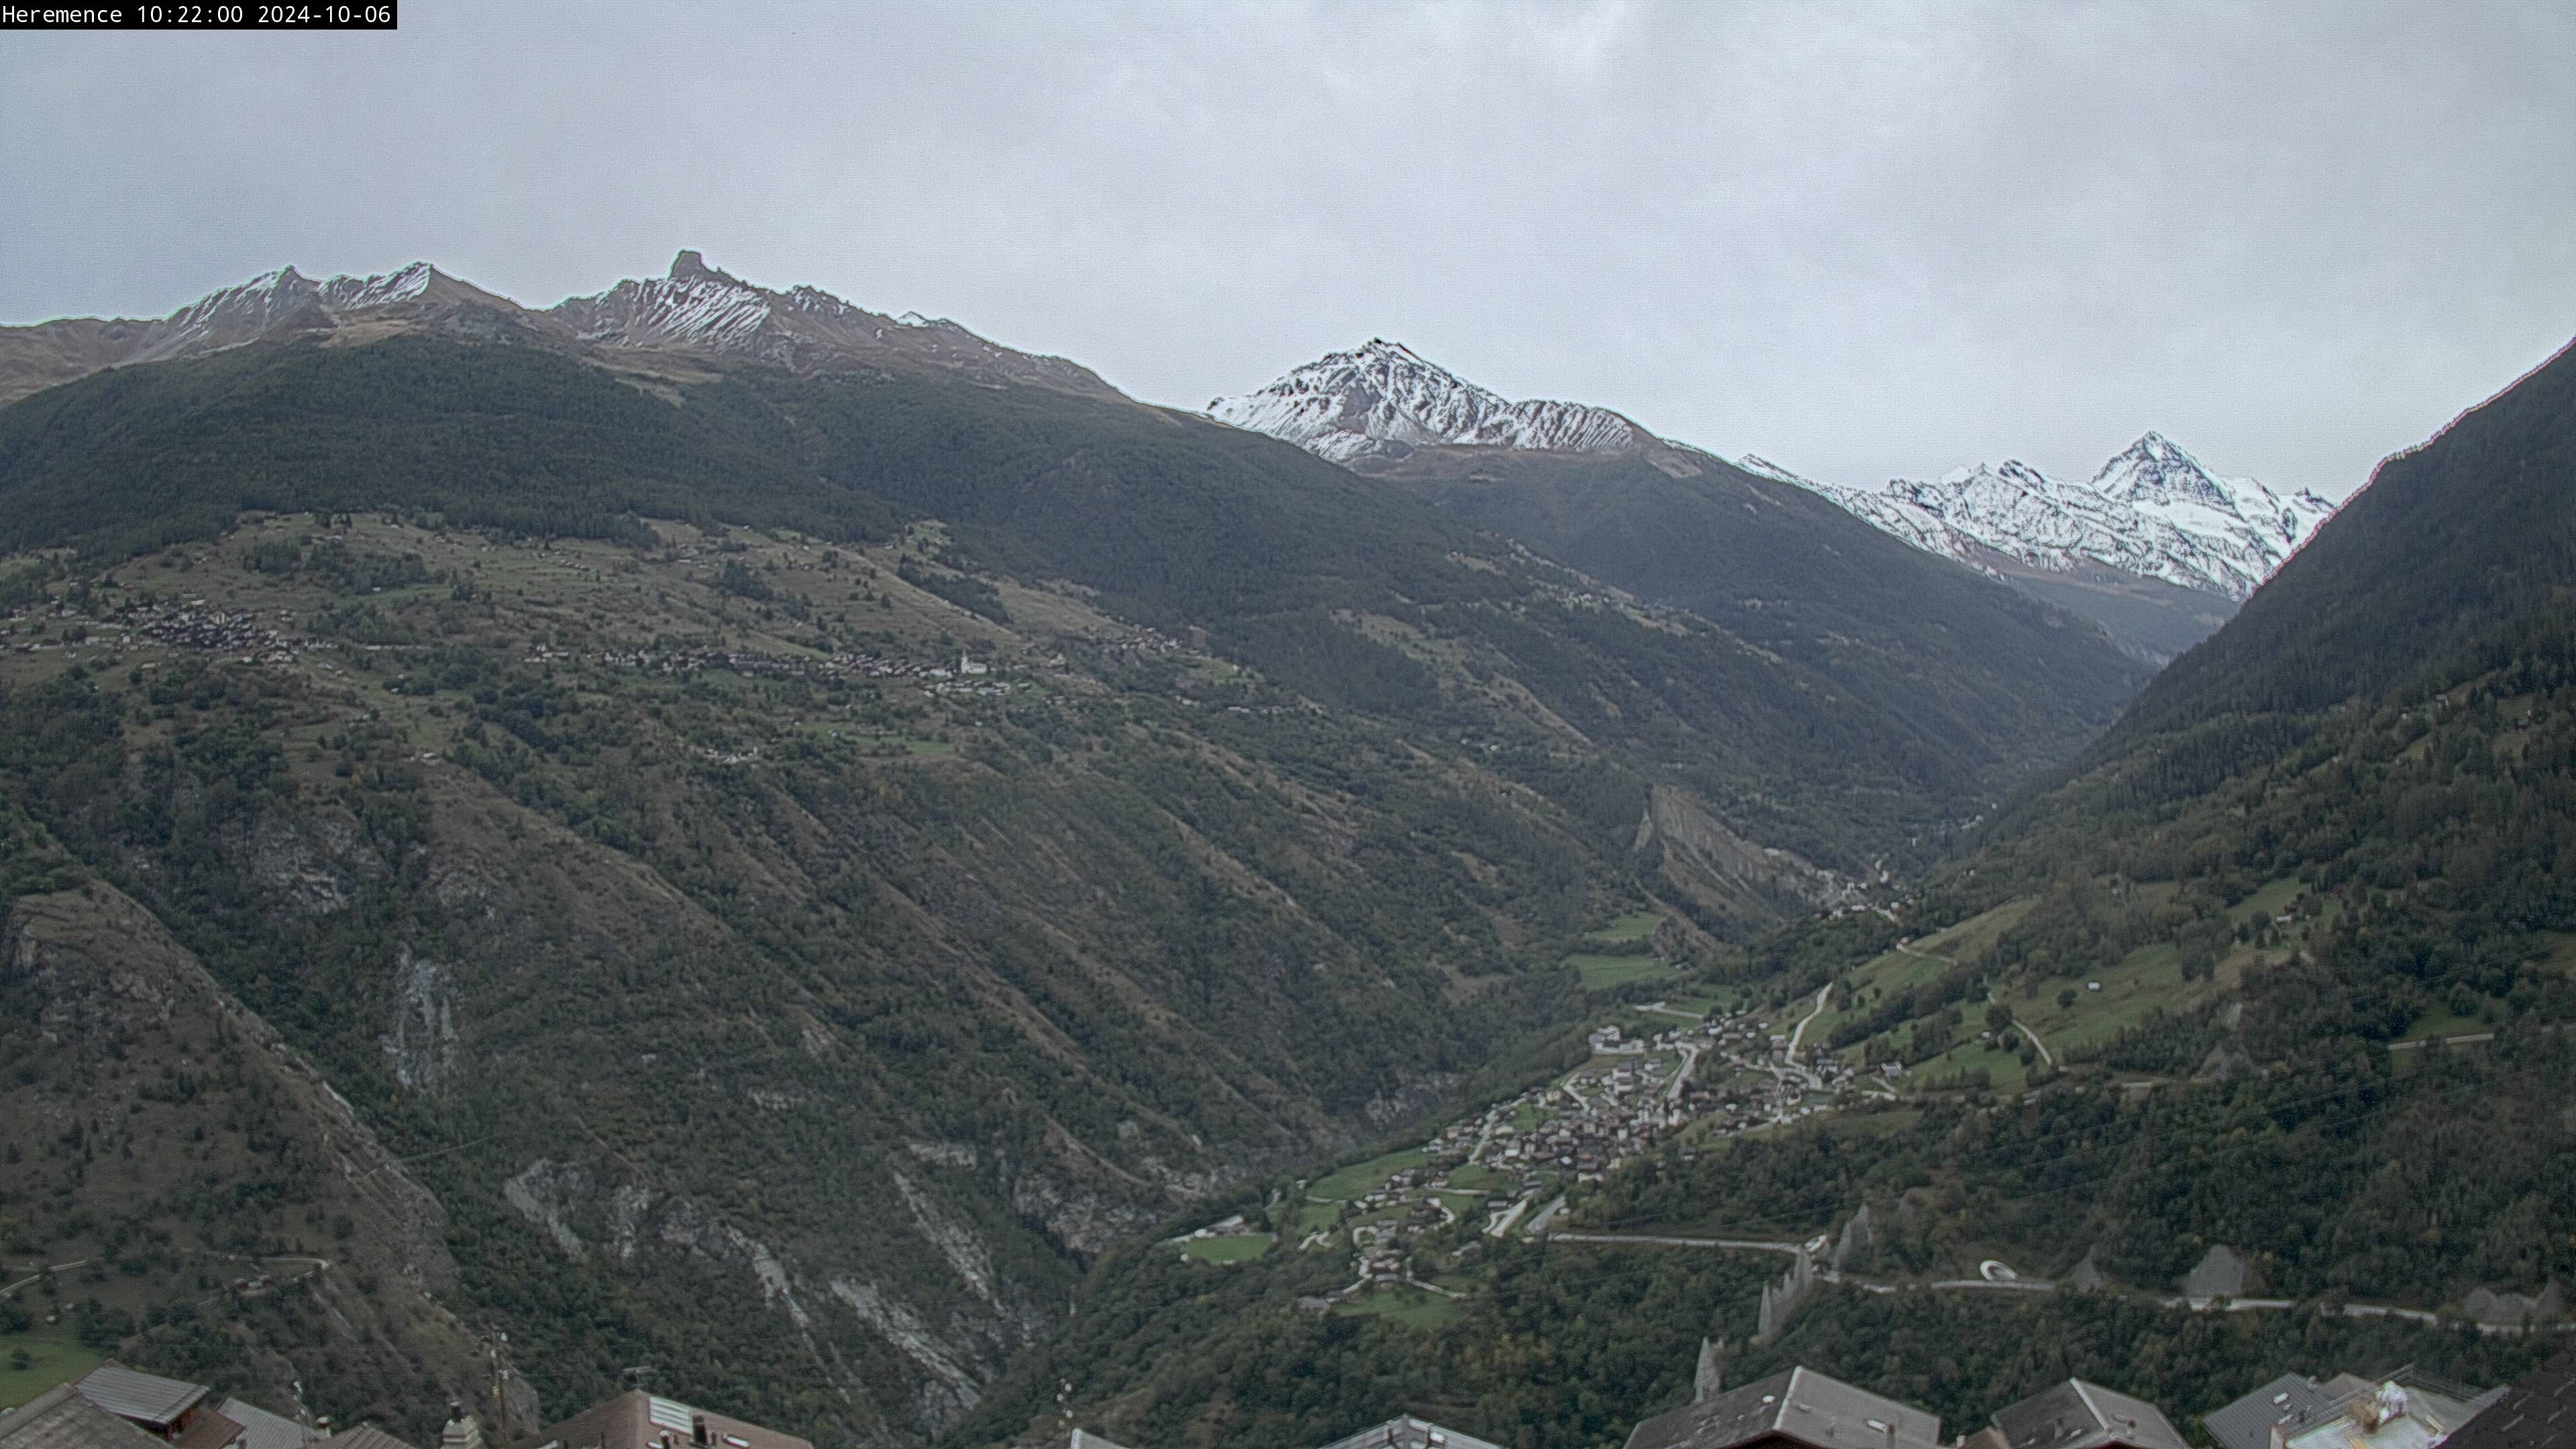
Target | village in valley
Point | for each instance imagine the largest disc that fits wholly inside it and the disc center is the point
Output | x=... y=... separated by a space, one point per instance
x=1679 y=1073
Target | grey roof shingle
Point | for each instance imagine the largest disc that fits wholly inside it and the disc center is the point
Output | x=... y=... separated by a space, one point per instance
x=60 y=1418
x=262 y=1429
x=1798 y=1404
x=146 y=1398
x=2539 y=1412
x=2289 y=1400
x=1407 y=1432
x=2080 y=1415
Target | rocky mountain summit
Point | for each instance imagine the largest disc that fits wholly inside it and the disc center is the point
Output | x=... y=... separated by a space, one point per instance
x=693 y=309
x=2153 y=512
x=1383 y=400
x=805 y=329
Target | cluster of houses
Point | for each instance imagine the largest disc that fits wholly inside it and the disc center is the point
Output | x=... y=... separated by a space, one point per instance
x=1639 y=1088
x=1596 y=1122
x=115 y=1407
x=186 y=624
x=1800 y=1408
x=843 y=665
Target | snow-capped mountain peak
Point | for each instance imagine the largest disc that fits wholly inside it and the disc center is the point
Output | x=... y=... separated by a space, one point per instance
x=1384 y=399
x=698 y=307
x=2154 y=470
x=278 y=302
x=692 y=305
x=253 y=306
x=2153 y=510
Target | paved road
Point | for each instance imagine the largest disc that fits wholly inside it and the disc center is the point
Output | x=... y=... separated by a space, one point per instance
x=2024 y=1285
x=5 y=1291
x=1750 y=1245
x=2025 y=1030
x=1690 y=1059
x=1826 y=990
x=2018 y=1024
x=2418 y=1043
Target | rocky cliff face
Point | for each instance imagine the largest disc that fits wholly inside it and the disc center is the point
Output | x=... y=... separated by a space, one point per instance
x=1706 y=861
x=175 y=1134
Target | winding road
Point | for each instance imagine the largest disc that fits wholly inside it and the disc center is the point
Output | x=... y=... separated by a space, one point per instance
x=2018 y=1024
x=1822 y=992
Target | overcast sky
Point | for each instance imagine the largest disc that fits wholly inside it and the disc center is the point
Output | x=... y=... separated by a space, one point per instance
x=1862 y=240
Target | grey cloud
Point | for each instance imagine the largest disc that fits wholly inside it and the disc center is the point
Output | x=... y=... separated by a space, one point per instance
x=1860 y=239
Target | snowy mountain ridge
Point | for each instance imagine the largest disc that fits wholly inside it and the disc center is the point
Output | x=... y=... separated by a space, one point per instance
x=2153 y=510
x=1383 y=400
x=694 y=308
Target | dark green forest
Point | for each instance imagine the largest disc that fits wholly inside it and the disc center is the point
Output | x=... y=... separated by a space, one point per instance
x=570 y=772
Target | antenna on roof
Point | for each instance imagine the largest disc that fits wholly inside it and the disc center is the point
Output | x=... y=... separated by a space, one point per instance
x=637 y=1373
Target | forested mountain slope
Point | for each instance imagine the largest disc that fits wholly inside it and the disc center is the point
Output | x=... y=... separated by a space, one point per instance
x=2313 y=904
x=1991 y=674
x=1331 y=585
x=799 y=860
x=2286 y=968
x=2337 y=833
x=2451 y=541
x=764 y=995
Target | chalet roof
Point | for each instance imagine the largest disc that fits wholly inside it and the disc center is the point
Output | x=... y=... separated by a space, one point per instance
x=638 y=1420
x=2290 y=1401
x=1799 y=1404
x=1407 y=1432
x=367 y=1436
x=262 y=1429
x=144 y=1398
x=61 y=1418
x=2329 y=1412
x=2080 y=1415
x=2537 y=1413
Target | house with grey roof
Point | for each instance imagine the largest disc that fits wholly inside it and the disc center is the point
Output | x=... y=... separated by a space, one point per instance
x=2407 y=1408
x=638 y=1420
x=1407 y=1432
x=61 y=1418
x=264 y=1430
x=2078 y=1415
x=1799 y=1407
x=182 y=1415
x=2537 y=1413
x=2289 y=1401
x=162 y=1408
